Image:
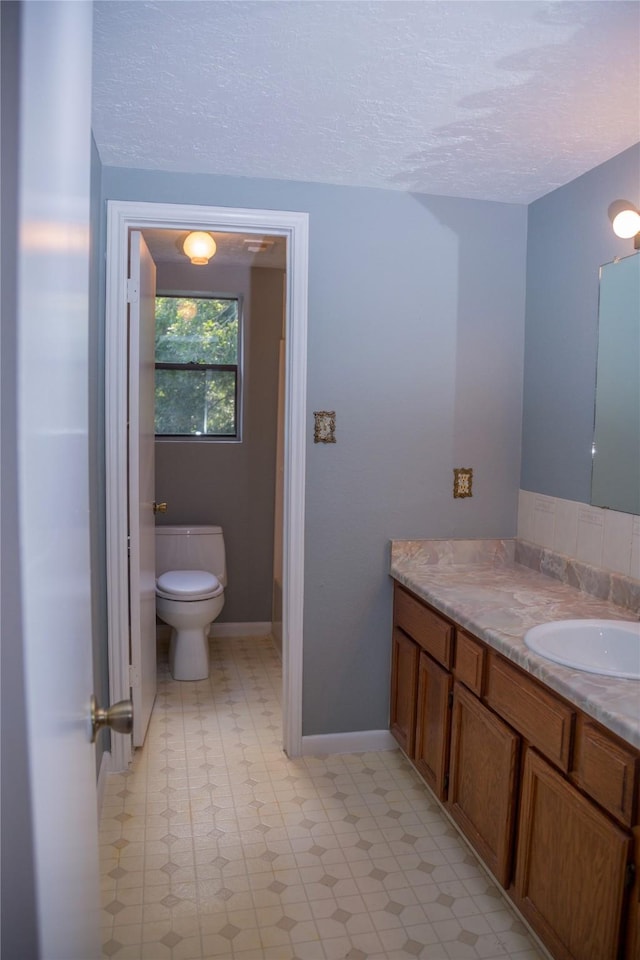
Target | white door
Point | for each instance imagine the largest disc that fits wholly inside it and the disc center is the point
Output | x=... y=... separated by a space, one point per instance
x=52 y=460
x=142 y=560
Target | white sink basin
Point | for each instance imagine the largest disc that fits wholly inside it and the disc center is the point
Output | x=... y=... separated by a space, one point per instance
x=609 y=647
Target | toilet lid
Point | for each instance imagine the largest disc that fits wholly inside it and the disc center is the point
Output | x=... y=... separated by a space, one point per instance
x=188 y=584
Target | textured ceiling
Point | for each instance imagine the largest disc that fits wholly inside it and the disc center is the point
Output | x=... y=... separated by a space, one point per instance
x=492 y=99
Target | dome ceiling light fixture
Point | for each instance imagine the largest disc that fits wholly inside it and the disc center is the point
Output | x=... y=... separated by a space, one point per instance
x=625 y=220
x=199 y=247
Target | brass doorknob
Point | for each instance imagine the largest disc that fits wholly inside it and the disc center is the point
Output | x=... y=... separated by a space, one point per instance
x=118 y=717
x=160 y=507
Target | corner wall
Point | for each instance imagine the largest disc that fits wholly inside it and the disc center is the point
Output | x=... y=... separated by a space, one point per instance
x=416 y=318
x=569 y=238
x=233 y=484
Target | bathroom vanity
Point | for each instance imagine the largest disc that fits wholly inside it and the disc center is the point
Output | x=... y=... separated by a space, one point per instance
x=537 y=764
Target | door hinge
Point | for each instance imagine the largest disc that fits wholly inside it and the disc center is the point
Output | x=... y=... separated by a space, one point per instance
x=133 y=676
x=630 y=875
x=132 y=290
x=450 y=699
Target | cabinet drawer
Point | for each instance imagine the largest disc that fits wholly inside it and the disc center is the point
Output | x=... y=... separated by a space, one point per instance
x=542 y=719
x=429 y=630
x=469 y=662
x=605 y=769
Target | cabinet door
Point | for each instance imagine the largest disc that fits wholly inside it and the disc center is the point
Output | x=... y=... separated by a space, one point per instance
x=433 y=724
x=482 y=789
x=633 y=920
x=571 y=867
x=404 y=684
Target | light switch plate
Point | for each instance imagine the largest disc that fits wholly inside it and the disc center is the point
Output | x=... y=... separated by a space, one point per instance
x=325 y=426
x=462 y=482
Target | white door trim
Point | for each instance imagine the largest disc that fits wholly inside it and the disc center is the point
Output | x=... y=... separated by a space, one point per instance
x=123 y=216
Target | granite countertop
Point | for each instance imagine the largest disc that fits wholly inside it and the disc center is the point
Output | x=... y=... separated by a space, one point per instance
x=478 y=584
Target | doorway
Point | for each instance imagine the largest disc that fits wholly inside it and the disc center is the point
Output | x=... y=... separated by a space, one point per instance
x=122 y=217
x=216 y=450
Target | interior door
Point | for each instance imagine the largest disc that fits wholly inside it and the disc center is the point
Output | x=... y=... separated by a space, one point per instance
x=142 y=573
x=52 y=377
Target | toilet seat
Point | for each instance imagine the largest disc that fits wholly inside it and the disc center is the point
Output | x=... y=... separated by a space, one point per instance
x=187 y=585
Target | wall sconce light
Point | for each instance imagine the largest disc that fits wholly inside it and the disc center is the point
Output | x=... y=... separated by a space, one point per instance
x=199 y=247
x=625 y=220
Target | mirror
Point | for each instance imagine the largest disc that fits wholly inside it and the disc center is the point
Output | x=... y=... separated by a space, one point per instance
x=615 y=477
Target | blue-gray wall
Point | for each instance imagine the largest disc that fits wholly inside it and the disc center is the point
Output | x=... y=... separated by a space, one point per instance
x=233 y=484
x=569 y=238
x=18 y=936
x=416 y=319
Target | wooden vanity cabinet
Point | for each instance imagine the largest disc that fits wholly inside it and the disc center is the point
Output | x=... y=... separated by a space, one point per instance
x=431 y=632
x=404 y=690
x=483 y=780
x=433 y=724
x=421 y=687
x=633 y=920
x=548 y=797
x=483 y=764
x=539 y=716
x=607 y=770
x=470 y=660
x=572 y=867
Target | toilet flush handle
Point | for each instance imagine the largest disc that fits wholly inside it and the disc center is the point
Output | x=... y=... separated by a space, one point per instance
x=160 y=507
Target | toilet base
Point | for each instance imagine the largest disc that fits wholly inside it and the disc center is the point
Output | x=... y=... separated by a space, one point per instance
x=189 y=653
x=189 y=644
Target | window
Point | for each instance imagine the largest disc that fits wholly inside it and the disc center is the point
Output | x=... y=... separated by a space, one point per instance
x=197 y=367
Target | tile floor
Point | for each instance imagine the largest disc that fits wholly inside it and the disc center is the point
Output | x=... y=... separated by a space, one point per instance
x=215 y=845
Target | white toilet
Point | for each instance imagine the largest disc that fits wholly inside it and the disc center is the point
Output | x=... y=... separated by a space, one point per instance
x=191 y=574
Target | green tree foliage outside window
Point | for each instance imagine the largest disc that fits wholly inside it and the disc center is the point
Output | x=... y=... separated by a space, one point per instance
x=197 y=366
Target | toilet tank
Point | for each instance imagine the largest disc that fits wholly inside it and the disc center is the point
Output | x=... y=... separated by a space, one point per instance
x=191 y=548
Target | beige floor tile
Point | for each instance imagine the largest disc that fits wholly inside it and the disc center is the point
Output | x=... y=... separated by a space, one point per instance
x=216 y=846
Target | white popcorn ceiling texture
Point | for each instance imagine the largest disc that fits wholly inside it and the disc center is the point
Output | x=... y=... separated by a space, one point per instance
x=491 y=99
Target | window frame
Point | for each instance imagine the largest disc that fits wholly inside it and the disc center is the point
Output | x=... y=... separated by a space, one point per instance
x=201 y=367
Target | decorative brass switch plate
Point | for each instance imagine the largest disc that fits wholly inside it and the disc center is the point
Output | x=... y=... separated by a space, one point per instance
x=325 y=426
x=462 y=482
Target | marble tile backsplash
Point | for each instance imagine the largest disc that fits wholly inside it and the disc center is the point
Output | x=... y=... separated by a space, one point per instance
x=595 y=549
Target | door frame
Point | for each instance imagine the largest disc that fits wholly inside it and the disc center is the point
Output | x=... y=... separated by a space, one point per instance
x=122 y=217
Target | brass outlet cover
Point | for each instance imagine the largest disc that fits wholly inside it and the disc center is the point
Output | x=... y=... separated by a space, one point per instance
x=462 y=482
x=325 y=426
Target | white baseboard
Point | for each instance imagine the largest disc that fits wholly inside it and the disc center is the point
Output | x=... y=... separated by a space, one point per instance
x=249 y=629
x=360 y=741
x=103 y=773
